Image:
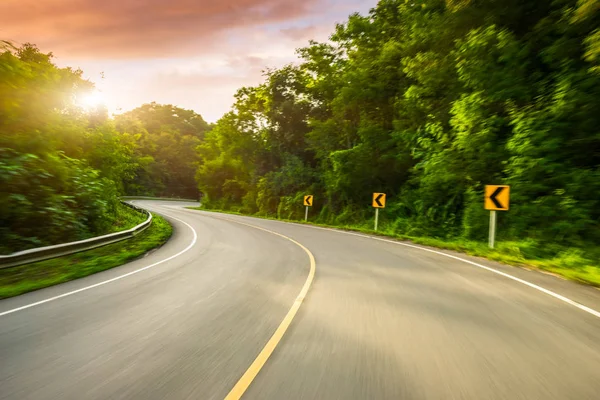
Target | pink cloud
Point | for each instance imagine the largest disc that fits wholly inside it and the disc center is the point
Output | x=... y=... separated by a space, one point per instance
x=136 y=29
x=301 y=33
x=191 y=53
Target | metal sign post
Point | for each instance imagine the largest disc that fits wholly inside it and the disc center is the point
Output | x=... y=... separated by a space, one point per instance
x=308 y=202
x=497 y=198
x=492 y=228
x=378 y=202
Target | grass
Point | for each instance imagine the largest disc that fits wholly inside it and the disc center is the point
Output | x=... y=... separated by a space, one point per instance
x=126 y=218
x=25 y=278
x=572 y=263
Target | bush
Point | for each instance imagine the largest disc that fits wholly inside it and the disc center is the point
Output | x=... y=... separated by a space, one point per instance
x=64 y=196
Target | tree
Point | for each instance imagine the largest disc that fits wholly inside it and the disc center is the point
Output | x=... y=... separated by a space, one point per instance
x=163 y=139
x=428 y=101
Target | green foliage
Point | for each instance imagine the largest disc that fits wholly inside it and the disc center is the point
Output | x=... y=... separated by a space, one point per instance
x=62 y=167
x=161 y=142
x=427 y=102
x=18 y=280
x=46 y=182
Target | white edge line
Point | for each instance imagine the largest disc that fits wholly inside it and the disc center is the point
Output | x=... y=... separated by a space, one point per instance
x=514 y=278
x=37 y=303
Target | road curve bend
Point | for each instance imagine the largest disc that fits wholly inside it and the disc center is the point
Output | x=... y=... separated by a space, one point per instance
x=200 y=316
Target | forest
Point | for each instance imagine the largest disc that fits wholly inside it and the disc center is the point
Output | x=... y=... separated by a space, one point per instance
x=427 y=101
x=63 y=167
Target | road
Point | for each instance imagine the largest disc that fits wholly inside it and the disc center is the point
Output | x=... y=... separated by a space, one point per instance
x=381 y=321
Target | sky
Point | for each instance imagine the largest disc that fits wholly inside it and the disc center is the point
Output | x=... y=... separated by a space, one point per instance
x=190 y=53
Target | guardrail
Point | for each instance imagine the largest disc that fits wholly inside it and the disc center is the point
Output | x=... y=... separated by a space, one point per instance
x=48 y=252
x=156 y=198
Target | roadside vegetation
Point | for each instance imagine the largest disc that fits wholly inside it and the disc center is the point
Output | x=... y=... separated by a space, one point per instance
x=64 y=165
x=25 y=278
x=428 y=102
x=126 y=218
x=570 y=263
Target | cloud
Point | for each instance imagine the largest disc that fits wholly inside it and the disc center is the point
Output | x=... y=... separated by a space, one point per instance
x=191 y=53
x=301 y=33
x=209 y=90
x=210 y=95
x=138 y=29
x=170 y=81
x=247 y=62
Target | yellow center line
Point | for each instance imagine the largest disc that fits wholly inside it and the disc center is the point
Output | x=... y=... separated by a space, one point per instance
x=246 y=380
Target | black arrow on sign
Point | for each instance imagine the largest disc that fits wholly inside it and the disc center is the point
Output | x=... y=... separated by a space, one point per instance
x=379 y=198
x=494 y=199
x=309 y=200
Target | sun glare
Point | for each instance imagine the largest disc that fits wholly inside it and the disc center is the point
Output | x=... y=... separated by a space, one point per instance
x=91 y=100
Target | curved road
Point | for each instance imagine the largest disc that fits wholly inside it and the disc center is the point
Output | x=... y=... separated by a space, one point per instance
x=381 y=320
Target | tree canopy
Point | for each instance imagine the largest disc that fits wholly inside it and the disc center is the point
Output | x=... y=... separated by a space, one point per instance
x=63 y=167
x=427 y=101
x=165 y=138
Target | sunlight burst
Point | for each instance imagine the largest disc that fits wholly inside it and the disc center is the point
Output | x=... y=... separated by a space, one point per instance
x=91 y=100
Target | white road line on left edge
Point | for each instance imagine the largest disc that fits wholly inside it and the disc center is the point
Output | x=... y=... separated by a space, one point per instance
x=37 y=303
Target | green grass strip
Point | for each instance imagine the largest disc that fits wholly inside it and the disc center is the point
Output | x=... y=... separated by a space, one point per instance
x=25 y=278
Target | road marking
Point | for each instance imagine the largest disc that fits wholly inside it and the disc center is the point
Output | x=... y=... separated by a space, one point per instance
x=246 y=380
x=514 y=278
x=37 y=303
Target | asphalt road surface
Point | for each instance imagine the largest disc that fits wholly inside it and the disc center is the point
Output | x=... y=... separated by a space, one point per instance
x=381 y=321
